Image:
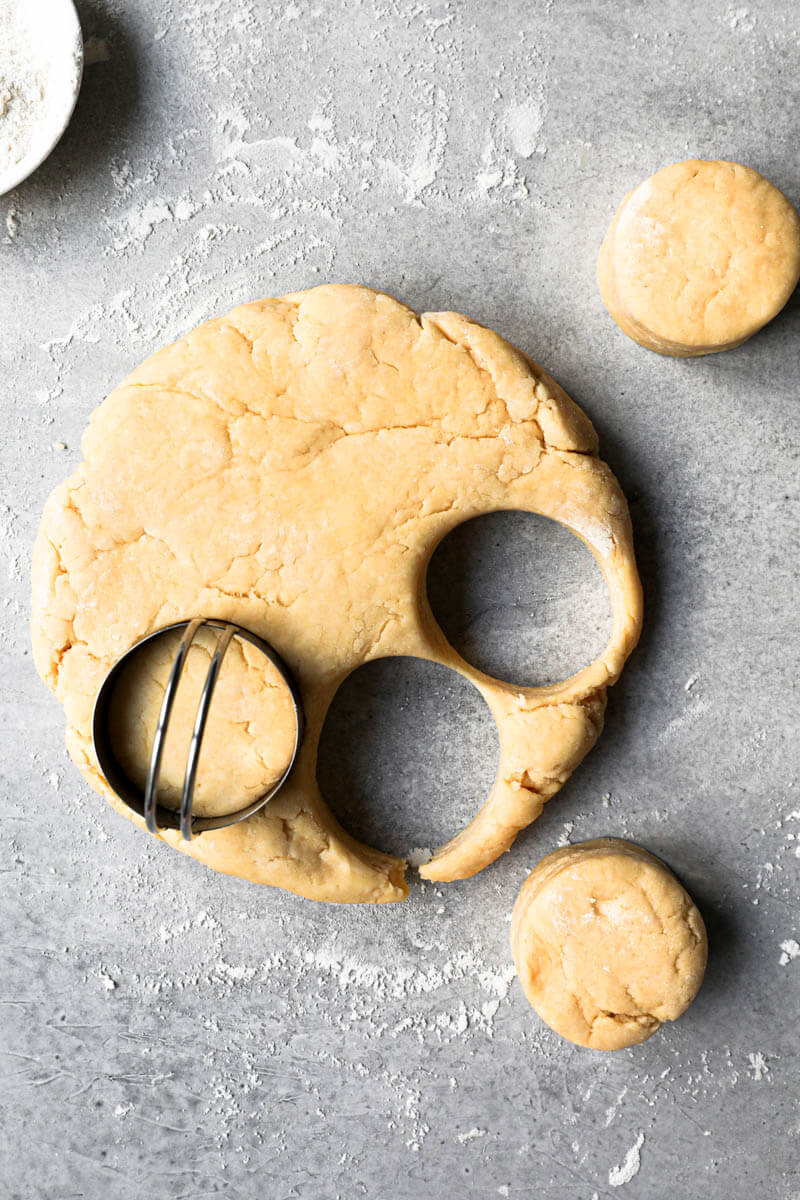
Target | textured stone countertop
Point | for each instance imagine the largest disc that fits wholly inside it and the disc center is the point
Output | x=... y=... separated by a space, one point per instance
x=166 y=1032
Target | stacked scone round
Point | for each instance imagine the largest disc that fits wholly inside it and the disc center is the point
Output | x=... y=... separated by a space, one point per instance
x=699 y=257
x=607 y=943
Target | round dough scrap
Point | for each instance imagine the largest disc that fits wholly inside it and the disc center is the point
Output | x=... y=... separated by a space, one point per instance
x=291 y=467
x=699 y=257
x=607 y=944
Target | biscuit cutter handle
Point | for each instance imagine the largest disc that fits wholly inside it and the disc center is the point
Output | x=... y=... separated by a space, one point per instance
x=197 y=733
x=201 y=717
x=154 y=770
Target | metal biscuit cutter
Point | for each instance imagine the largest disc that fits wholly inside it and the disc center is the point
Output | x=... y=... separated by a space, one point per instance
x=145 y=803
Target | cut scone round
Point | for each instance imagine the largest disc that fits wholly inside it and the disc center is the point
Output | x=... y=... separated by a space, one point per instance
x=607 y=944
x=699 y=257
x=248 y=741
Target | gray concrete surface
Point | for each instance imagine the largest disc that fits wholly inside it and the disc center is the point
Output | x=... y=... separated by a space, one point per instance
x=170 y=1033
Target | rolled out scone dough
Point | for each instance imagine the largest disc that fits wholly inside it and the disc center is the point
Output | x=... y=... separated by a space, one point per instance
x=607 y=943
x=291 y=467
x=699 y=257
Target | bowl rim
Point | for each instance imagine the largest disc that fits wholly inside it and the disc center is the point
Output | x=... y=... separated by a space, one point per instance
x=31 y=162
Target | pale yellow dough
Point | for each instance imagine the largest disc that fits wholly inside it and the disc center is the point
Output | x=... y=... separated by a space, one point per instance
x=292 y=467
x=699 y=257
x=607 y=944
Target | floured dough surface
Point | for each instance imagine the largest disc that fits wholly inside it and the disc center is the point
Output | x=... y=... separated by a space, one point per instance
x=291 y=467
x=249 y=736
x=607 y=943
x=699 y=257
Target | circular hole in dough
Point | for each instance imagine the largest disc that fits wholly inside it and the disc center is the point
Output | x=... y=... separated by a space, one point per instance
x=519 y=597
x=249 y=737
x=699 y=257
x=607 y=943
x=408 y=753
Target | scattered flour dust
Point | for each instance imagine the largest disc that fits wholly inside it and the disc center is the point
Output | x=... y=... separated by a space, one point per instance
x=566 y=834
x=629 y=1167
x=790 y=949
x=471 y=1135
x=108 y=983
x=12 y=221
x=525 y=123
x=448 y=997
x=430 y=127
x=270 y=192
x=757 y=1066
x=740 y=20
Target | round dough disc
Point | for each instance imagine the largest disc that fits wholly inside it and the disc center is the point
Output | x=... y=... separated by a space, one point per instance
x=607 y=943
x=291 y=467
x=249 y=736
x=699 y=257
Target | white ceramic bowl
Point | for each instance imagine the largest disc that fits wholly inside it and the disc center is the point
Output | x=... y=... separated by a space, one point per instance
x=57 y=42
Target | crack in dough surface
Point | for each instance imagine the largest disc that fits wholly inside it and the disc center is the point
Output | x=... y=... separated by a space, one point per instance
x=607 y=943
x=291 y=467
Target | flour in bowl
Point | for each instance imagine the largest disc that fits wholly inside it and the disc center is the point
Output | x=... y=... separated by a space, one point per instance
x=40 y=65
